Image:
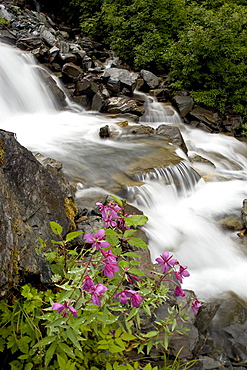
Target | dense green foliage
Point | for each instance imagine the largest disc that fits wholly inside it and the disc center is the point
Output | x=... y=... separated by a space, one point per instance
x=201 y=44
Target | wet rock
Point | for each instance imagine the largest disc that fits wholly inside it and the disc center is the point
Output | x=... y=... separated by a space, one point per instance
x=86 y=87
x=232 y=223
x=159 y=158
x=229 y=327
x=138 y=130
x=207 y=117
x=48 y=36
x=126 y=78
x=98 y=102
x=205 y=315
x=184 y=104
x=48 y=162
x=233 y=123
x=72 y=71
x=199 y=159
x=120 y=105
x=244 y=212
x=54 y=88
x=104 y=132
x=173 y=134
x=83 y=100
x=150 y=79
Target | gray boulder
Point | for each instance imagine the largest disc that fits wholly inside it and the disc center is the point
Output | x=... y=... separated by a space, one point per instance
x=150 y=79
x=30 y=197
x=126 y=78
x=184 y=104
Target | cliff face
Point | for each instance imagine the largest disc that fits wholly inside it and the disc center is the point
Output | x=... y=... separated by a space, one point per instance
x=30 y=197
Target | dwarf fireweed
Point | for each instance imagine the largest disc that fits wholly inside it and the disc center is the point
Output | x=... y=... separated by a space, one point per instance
x=90 y=316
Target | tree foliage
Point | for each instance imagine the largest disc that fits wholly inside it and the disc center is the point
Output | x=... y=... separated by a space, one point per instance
x=201 y=44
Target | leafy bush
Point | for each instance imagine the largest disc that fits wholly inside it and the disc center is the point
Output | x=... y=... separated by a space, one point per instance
x=209 y=57
x=91 y=316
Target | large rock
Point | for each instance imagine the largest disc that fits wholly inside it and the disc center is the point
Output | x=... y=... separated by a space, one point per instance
x=120 y=105
x=151 y=80
x=184 y=103
x=207 y=117
x=127 y=78
x=173 y=134
x=229 y=327
x=30 y=197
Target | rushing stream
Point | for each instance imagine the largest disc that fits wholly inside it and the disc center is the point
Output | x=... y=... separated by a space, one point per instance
x=182 y=219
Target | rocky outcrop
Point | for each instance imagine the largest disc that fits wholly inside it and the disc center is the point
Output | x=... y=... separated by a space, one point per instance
x=30 y=197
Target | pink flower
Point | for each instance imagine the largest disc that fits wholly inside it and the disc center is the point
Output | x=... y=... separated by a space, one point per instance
x=178 y=292
x=97 y=240
x=110 y=269
x=110 y=213
x=166 y=262
x=182 y=273
x=96 y=290
x=64 y=307
x=195 y=305
x=109 y=257
x=122 y=297
x=88 y=283
x=135 y=298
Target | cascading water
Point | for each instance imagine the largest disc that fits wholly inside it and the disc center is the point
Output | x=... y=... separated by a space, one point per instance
x=182 y=209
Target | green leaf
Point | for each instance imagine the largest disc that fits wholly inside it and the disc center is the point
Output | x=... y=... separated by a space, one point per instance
x=115 y=349
x=28 y=366
x=23 y=347
x=151 y=334
x=61 y=362
x=108 y=366
x=131 y=254
x=56 y=228
x=72 y=336
x=135 y=271
x=111 y=232
x=23 y=357
x=129 y=232
x=127 y=337
x=148 y=366
x=45 y=341
x=72 y=235
x=117 y=200
x=49 y=353
x=112 y=240
x=136 y=220
x=132 y=313
x=65 y=348
x=138 y=243
x=120 y=343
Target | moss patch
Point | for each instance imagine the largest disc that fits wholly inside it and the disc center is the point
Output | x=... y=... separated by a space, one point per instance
x=71 y=211
x=1 y=153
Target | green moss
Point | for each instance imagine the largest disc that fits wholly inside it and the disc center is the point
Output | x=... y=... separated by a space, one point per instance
x=71 y=211
x=1 y=151
x=4 y=21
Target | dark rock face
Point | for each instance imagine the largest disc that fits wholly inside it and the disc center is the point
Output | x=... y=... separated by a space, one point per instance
x=30 y=197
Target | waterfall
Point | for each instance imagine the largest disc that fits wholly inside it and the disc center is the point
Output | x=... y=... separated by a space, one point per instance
x=182 y=208
x=20 y=89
